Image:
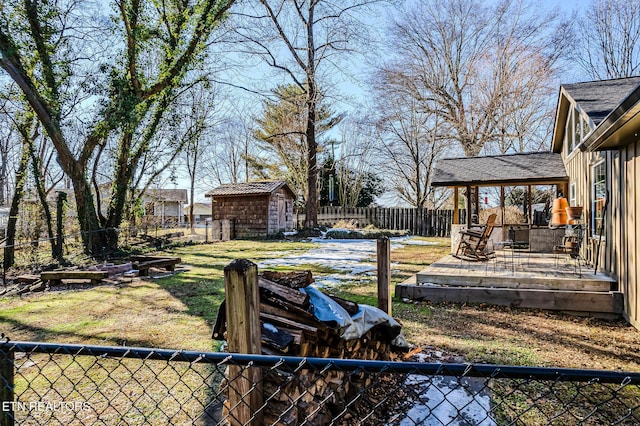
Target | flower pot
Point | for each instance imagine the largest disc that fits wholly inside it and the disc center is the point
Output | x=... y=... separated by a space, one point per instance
x=559 y=212
x=574 y=213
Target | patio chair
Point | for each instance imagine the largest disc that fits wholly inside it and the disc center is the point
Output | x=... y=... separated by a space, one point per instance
x=570 y=246
x=473 y=242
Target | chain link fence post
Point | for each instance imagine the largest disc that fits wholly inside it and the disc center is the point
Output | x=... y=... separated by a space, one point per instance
x=6 y=387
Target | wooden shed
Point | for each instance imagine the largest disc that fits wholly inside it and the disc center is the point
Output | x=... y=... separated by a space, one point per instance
x=255 y=209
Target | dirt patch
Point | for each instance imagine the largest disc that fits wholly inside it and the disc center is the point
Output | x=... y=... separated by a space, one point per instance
x=500 y=335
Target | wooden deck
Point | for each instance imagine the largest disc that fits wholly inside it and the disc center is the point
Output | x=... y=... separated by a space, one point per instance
x=520 y=279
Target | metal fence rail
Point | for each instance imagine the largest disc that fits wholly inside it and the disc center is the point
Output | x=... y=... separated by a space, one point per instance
x=51 y=384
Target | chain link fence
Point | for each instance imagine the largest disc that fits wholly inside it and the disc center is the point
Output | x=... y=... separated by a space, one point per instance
x=61 y=384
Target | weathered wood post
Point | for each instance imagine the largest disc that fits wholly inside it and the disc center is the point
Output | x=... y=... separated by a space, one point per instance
x=6 y=387
x=242 y=307
x=384 y=274
x=59 y=242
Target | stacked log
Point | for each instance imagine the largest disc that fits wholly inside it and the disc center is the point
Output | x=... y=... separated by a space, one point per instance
x=290 y=328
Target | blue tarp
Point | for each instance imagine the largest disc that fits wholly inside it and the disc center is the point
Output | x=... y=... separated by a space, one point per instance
x=330 y=312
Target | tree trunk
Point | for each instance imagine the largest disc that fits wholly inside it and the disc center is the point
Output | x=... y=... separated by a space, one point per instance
x=59 y=242
x=192 y=191
x=39 y=183
x=311 y=220
x=93 y=236
x=21 y=177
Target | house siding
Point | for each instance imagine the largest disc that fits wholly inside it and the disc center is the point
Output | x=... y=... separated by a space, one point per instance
x=618 y=256
x=630 y=231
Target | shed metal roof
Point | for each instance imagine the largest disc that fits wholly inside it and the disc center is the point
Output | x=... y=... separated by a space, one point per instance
x=536 y=168
x=249 y=188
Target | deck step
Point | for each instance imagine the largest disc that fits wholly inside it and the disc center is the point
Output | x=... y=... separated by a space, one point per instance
x=574 y=283
x=610 y=302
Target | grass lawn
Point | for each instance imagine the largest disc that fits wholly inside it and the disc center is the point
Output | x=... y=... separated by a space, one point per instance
x=178 y=312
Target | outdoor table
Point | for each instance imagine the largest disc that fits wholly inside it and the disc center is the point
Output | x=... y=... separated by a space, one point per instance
x=515 y=247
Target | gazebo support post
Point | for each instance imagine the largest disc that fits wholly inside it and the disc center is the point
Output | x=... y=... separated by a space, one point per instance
x=456 y=212
x=530 y=195
x=468 y=206
x=502 y=204
x=477 y=201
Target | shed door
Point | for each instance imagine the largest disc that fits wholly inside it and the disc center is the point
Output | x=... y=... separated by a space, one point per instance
x=282 y=213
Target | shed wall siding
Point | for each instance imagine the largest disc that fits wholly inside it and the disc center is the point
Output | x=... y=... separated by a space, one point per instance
x=248 y=214
x=275 y=223
x=254 y=216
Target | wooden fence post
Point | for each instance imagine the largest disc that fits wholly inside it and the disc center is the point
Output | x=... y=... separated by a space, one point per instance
x=242 y=306
x=384 y=274
x=6 y=388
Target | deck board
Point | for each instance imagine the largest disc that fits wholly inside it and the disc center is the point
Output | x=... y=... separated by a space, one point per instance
x=526 y=280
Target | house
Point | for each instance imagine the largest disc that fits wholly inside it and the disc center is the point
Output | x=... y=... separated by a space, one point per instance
x=165 y=206
x=201 y=212
x=596 y=131
x=256 y=209
x=596 y=134
x=162 y=207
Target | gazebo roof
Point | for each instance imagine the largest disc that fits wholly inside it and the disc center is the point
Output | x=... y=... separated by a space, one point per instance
x=536 y=168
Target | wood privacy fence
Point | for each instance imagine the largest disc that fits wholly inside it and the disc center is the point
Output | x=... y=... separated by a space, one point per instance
x=423 y=222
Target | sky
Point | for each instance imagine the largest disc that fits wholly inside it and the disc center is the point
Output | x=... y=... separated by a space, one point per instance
x=356 y=87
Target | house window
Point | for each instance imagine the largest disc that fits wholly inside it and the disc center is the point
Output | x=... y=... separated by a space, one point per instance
x=569 y=132
x=577 y=130
x=572 y=195
x=598 y=197
x=586 y=128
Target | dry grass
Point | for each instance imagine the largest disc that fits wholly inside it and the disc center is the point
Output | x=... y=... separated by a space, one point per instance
x=500 y=335
x=178 y=312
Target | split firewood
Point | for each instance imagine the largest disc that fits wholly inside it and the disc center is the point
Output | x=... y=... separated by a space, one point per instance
x=269 y=288
x=296 y=279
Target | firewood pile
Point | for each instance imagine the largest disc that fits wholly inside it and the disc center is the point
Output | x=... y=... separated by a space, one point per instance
x=290 y=328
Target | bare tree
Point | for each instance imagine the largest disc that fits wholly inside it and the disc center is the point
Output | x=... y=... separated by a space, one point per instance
x=199 y=123
x=45 y=48
x=229 y=150
x=304 y=41
x=466 y=62
x=609 y=39
x=354 y=162
x=411 y=142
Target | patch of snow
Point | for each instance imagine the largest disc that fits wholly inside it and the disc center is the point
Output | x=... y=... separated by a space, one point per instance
x=341 y=255
x=410 y=241
x=447 y=400
x=352 y=259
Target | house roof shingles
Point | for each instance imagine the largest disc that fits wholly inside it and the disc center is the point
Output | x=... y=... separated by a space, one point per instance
x=599 y=98
x=167 y=195
x=537 y=168
x=249 y=188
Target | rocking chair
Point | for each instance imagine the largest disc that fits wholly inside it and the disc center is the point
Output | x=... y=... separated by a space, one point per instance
x=473 y=242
